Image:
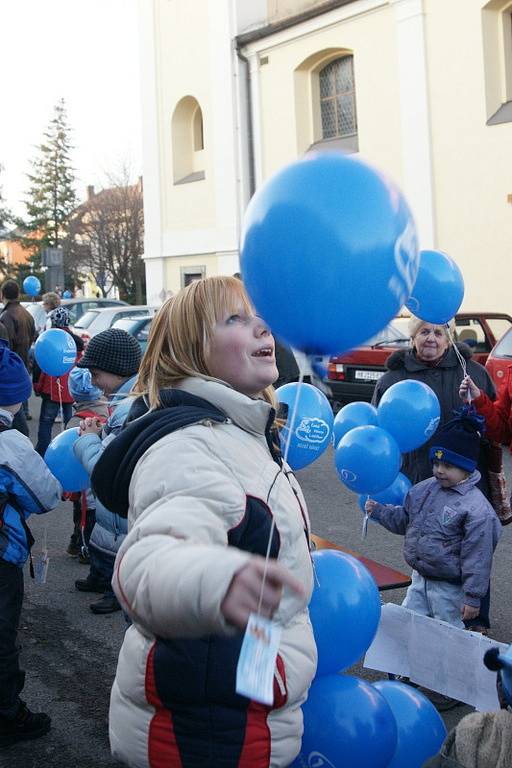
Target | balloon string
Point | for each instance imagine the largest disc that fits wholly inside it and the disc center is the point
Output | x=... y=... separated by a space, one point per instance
x=285 y=457
x=61 y=409
x=460 y=358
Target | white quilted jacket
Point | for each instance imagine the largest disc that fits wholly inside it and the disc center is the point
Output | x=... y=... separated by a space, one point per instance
x=189 y=492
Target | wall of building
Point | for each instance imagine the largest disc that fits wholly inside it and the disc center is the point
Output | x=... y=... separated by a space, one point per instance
x=471 y=160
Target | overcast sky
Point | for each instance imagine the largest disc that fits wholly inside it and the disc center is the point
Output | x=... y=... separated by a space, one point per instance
x=85 y=51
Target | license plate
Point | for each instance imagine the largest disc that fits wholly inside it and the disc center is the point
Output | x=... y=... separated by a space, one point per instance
x=368 y=375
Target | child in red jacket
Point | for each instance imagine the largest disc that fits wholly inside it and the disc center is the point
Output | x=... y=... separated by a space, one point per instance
x=54 y=389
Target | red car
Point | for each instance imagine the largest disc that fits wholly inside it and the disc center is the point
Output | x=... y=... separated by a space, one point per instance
x=353 y=375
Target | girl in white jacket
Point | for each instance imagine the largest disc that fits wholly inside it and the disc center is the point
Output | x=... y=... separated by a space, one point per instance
x=205 y=481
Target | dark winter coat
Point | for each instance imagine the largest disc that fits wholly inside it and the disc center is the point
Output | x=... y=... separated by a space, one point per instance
x=20 y=326
x=444 y=379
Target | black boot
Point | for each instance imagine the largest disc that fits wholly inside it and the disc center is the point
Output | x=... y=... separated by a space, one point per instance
x=23 y=726
x=106 y=604
x=92 y=584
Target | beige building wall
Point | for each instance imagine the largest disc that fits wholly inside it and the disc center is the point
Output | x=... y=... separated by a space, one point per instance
x=472 y=161
x=429 y=74
x=289 y=123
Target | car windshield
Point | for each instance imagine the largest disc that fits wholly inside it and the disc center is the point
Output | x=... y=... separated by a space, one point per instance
x=504 y=347
x=396 y=332
x=86 y=320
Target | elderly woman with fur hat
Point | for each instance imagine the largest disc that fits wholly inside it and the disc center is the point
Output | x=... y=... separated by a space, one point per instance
x=432 y=360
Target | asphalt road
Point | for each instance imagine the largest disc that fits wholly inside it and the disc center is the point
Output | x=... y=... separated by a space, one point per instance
x=70 y=654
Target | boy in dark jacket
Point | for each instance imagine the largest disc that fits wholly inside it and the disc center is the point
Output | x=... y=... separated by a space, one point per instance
x=450 y=528
x=26 y=486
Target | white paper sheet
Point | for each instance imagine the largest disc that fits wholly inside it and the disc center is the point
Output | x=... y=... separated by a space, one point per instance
x=435 y=655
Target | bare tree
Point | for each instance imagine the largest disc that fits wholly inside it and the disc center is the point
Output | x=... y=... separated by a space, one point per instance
x=106 y=237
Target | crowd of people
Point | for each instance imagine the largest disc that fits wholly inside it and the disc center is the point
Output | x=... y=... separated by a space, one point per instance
x=193 y=521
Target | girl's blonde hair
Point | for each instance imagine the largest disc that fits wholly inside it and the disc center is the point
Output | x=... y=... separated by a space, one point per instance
x=181 y=331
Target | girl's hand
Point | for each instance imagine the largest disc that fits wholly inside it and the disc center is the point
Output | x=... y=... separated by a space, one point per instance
x=243 y=595
x=469 y=612
x=369 y=506
x=468 y=390
x=90 y=426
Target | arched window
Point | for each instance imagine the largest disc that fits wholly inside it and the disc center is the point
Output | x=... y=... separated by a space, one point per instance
x=338 y=99
x=187 y=141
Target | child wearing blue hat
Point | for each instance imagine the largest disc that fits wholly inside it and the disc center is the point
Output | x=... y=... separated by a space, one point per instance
x=26 y=486
x=450 y=528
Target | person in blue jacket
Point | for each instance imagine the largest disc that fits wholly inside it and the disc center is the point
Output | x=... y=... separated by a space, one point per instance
x=26 y=487
x=450 y=528
x=113 y=358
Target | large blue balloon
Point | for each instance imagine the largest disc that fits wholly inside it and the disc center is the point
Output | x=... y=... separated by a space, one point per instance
x=367 y=459
x=394 y=494
x=410 y=411
x=438 y=290
x=333 y=232
x=420 y=728
x=31 y=285
x=63 y=463
x=312 y=427
x=344 y=610
x=347 y=724
x=353 y=415
x=55 y=352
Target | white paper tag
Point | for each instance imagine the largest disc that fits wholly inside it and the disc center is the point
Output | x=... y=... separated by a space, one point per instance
x=41 y=563
x=364 y=530
x=257 y=662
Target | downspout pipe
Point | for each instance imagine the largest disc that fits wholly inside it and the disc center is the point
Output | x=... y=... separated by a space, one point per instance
x=250 y=118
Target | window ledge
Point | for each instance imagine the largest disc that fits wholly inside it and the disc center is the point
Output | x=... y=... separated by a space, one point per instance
x=195 y=176
x=346 y=144
x=502 y=115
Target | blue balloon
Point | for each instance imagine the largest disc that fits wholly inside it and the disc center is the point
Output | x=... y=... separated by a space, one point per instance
x=353 y=415
x=367 y=459
x=332 y=231
x=67 y=295
x=62 y=462
x=438 y=290
x=312 y=426
x=344 y=610
x=32 y=285
x=55 y=352
x=394 y=494
x=420 y=728
x=410 y=411
x=347 y=724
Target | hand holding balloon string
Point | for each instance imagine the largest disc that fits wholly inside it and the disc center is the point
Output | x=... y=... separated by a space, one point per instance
x=468 y=390
x=257 y=588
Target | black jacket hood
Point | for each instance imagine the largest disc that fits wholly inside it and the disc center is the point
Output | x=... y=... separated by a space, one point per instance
x=113 y=472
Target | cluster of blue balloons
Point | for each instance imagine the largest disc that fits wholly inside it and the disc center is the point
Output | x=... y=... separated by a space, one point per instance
x=347 y=721
x=369 y=440
x=332 y=231
x=308 y=428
